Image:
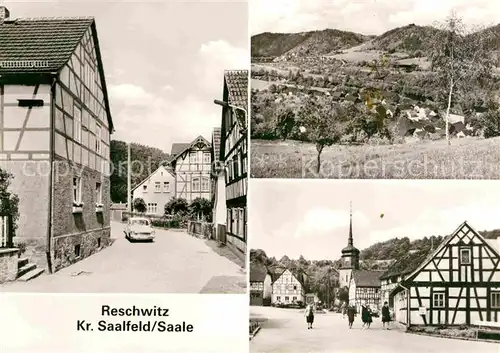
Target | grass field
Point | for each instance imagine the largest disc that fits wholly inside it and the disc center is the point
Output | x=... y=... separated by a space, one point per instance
x=467 y=158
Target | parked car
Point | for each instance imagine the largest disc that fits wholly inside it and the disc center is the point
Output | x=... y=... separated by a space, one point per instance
x=139 y=228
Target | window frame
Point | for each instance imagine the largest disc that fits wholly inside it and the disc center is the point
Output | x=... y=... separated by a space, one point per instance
x=196 y=181
x=77 y=189
x=157 y=186
x=469 y=252
x=77 y=123
x=495 y=293
x=436 y=299
x=98 y=192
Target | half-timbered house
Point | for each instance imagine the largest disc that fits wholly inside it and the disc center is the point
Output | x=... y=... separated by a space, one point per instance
x=233 y=152
x=457 y=284
x=364 y=288
x=261 y=286
x=156 y=190
x=218 y=189
x=192 y=165
x=288 y=288
x=55 y=127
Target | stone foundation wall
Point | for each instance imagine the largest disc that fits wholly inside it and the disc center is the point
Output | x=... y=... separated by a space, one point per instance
x=64 y=247
x=8 y=265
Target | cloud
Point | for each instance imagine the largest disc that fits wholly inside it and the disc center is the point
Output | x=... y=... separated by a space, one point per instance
x=167 y=119
x=442 y=222
x=130 y=94
x=320 y=221
x=377 y=16
x=217 y=56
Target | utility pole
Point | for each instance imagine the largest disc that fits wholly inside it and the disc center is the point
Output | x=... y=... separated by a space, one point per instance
x=129 y=179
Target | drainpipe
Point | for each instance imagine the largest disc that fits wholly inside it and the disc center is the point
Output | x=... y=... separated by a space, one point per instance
x=48 y=242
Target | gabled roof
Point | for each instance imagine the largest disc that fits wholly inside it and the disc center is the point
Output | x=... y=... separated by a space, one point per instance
x=258 y=273
x=44 y=45
x=297 y=274
x=180 y=148
x=444 y=243
x=366 y=278
x=237 y=86
x=150 y=175
x=216 y=142
x=49 y=40
x=406 y=264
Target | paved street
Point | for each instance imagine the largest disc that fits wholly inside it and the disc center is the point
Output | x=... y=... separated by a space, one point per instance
x=285 y=331
x=175 y=263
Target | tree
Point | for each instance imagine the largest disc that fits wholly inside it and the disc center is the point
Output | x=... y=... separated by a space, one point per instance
x=9 y=202
x=176 y=206
x=285 y=116
x=140 y=205
x=460 y=59
x=323 y=122
x=201 y=209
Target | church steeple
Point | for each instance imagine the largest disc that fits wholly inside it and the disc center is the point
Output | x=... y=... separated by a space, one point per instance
x=350 y=254
x=350 y=241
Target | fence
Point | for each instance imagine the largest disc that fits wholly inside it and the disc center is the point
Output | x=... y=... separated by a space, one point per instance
x=204 y=229
x=6 y=233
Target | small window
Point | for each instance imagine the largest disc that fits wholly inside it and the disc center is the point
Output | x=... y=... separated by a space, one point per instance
x=294 y=298
x=98 y=193
x=77 y=189
x=166 y=186
x=152 y=208
x=157 y=186
x=438 y=300
x=294 y=287
x=495 y=300
x=206 y=157
x=196 y=184
x=278 y=298
x=205 y=184
x=193 y=157
x=28 y=103
x=465 y=256
x=77 y=250
x=287 y=299
x=77 y=124
x=98 y=138
x=145 y=188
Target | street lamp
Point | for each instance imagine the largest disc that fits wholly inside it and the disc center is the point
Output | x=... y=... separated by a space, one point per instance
x=235 y=108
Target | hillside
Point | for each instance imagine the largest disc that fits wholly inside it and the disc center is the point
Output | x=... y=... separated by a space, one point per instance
x=411 y=39
x=304 y=44
x=145 y=160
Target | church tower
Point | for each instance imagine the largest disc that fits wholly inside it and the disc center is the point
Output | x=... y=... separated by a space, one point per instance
x=350 y=258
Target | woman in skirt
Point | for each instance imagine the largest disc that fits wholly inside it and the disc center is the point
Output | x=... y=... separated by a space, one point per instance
x=386 y=316
x=309 y=314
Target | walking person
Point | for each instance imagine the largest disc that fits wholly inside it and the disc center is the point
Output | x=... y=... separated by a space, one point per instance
x=309 y=314
x=365 y=316
x=344 y=310
x=386 y=316
x=351 y=313
x=369 y=318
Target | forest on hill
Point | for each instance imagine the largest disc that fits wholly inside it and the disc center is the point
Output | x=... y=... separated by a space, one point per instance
x=145 y=160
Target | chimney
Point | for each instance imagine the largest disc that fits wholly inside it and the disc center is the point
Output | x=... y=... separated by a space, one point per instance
x=4 y=14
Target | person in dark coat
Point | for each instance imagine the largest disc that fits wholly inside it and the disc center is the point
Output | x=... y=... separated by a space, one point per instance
x=366 y=316
x=351 y=313
x=386 y=316
x=309 y=314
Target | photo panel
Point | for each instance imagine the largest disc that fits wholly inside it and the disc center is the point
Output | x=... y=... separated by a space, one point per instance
x=370 y=266
x=124 y=176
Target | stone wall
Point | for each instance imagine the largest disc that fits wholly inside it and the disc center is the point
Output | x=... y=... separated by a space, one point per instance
x=88 y=230
x=8 y=265
x=64 y=247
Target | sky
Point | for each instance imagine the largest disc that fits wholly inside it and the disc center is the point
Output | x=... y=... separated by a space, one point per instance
x=163 y=61
x=372 y=17
x=311 y=217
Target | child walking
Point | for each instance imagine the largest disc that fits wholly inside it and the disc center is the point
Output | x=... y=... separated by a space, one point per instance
x=351 y=313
